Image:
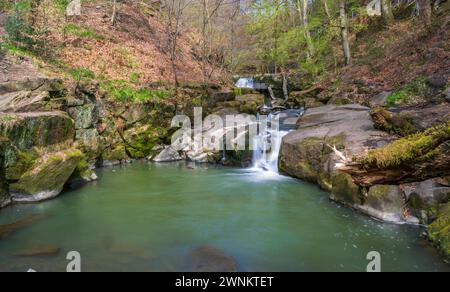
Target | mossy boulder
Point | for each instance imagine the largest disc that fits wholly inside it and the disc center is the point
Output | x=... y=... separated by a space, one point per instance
x=426 y=198
x=114 y=155
x=140 y=140
x=439 y=230
x=47 y=177
x=36 y=129
x=385 y=203
x=82 y=174
x=344 y=190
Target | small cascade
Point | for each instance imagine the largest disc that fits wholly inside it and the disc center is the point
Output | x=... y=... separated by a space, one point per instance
x=245 y=83
x=267 y=147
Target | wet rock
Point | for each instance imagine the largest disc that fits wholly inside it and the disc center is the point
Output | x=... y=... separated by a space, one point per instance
x=425 y=198
x=7 y=229
x=439 y=230
x=114 y=155
x=167 y=155
x=385 y=203
x=47 y=177
x=39 y=251
x=211 y=259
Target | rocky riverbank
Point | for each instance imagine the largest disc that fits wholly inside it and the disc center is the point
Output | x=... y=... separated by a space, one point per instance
x=329 y=144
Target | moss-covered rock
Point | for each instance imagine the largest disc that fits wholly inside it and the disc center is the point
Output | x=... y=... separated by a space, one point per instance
x=385 y=203
x=426 y=198
x=4 y=195
x=140 y=140
x=439 y=230
x=114 y=155
x=47 y=177
x=84 y=116
x=40 y=129
x=413 y=158
x=344 y=190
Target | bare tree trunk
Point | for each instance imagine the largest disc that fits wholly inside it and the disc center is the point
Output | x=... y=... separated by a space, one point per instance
x=386 y=11
x=326 y=10
x=114 y=13
x=272 y=95
x=302 y=6
x=285 y=86
x=424 y=9
x=344 y=32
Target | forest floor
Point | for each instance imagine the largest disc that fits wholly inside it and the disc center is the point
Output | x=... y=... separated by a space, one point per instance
x=390 y=59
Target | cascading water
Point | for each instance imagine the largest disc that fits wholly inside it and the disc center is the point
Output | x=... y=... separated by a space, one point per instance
x=245 y=83
x=267 y=147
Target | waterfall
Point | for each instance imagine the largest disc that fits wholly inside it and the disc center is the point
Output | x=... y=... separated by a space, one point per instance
x=267 y=147
x=245 y=83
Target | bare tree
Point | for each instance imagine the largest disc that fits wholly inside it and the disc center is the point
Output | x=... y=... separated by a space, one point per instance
x=174 y=10
x=424 y=10
x=114 y=12
x=302 y=7
x=386 y=11
x=344 y=32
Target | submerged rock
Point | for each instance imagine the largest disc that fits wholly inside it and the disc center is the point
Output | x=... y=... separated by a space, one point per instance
x=7 y=229
x=211 y=259
x=39 y=251
x=47 y=177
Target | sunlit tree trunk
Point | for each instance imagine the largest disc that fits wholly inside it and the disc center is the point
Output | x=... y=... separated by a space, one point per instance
x=114 y=13
x=302 y=6
x=344 y=32
x=386 y=11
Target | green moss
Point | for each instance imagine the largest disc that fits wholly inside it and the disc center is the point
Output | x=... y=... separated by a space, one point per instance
x=73 y=29
x=439 y=230
x=409 y=150
x=411 y=92
x=120 y=90
x=344 y=189
x=49 y=173
x=24 y=161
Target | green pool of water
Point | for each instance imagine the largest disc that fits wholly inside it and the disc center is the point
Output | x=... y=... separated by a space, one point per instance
x=148 y=217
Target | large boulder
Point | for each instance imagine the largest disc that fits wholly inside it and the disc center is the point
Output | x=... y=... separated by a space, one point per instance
x=409 y=120
x=326 y=138
x=426 y=198
x=36 y=129
x=167 y=155
x=46 y=178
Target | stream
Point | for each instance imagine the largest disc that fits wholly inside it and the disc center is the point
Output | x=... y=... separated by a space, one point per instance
x=151 y=217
